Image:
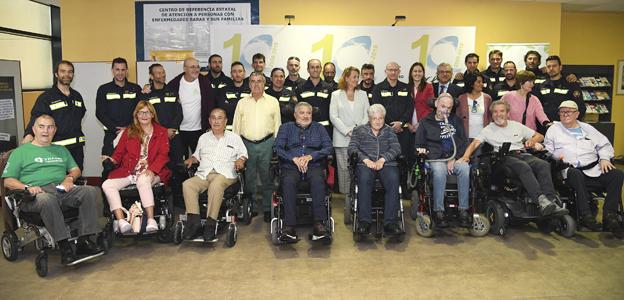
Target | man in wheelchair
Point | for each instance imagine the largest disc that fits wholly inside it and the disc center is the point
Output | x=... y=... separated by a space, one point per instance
x=47 y=172
x=442 y=138
x=377 y=148
x=220 y=154
x=522 y=164
x=588 y=153
x=301 y=147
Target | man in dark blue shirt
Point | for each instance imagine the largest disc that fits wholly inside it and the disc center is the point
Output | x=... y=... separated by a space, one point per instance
x=302 y=146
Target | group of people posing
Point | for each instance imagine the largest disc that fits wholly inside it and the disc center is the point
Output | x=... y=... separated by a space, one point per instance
x=226 y=124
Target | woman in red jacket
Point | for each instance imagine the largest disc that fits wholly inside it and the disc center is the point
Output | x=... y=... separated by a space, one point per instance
x=140 y=157
x=421 y=92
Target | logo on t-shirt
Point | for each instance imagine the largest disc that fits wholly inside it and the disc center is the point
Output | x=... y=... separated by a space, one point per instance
x=48 y=160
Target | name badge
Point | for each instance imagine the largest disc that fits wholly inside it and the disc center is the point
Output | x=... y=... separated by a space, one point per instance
x=170 y=99
x=112 y=96
x=322 y=95
x=284 y=99
x=402 y=94
x=561 y=91
x=307 y=94
x=78 y=103
x=386 y=94
x=230 y=95
x=58 y=105
x=154 y=100
x=129 y=96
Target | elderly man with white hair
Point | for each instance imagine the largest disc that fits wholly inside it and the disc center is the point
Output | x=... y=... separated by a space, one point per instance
x=377 y=148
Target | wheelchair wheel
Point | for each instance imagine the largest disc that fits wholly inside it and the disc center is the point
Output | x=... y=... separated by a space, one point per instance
x=177 y=233
x=246 y=211
x=566 y=226
x=480 y=226
x=347 y=210
x=424 y=226
x=274 y=234
x=41 y=264
x=10 y=245
x=231 y=236
x=496 y=216
x=103 y=241
x=414 y=205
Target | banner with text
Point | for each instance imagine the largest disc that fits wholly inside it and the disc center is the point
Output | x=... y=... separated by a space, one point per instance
x=168 y=30
x=344 y=46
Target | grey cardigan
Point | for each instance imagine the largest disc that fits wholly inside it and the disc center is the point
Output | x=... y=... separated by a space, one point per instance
x=367 y=145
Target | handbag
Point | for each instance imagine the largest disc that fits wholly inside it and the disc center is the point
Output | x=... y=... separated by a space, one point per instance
x=134 y=216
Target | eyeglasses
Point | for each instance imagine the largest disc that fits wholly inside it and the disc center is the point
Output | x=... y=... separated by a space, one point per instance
x=474 y=106
x=567 y=112
x=144 y=113
x=393 y=70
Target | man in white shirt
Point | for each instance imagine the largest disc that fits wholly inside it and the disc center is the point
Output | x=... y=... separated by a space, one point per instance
x=526 y=166
x=220 y=153
x=589 y=153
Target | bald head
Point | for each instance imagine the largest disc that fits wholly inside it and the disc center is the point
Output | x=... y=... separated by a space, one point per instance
x=191 y=69
x=393 y=70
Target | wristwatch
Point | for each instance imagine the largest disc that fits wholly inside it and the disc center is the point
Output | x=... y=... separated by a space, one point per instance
x=26 y=186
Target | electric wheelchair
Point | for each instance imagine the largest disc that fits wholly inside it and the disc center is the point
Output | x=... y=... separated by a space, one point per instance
x=235 y=207
x=304 y=210
x=421 y=210
x=377 y=206
x=163 y=211
x=23 y=228
x=508 y=202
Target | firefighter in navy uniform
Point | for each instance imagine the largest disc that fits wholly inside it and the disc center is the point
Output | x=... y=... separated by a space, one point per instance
x=557 y=89
x=494 y=72
x=318 y=93
x=368 y=81
x=115 y=102
x=218 y=80
x=67 y=108
x=329 y=73
x=293 y=80
x=532 y=61
x=472 y=63
x=232 y=93
x=284 y=96
x=508 y=84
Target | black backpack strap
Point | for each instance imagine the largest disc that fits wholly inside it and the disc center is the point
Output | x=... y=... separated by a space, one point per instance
x=526 y=107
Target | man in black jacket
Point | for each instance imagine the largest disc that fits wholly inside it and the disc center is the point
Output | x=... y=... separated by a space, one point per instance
x=442 y=135
x=197 y=98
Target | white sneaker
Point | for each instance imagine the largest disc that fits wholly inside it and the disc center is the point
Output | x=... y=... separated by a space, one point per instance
x=124 y=226
x=151 y=225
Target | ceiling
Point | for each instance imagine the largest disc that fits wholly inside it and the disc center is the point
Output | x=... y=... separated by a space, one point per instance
x=586 y=5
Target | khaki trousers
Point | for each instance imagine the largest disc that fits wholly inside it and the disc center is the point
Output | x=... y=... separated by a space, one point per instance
x=215 y=183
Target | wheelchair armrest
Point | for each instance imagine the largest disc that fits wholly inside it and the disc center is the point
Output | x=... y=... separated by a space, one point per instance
x=108 y=165
x=181 y=168
x=19 y=196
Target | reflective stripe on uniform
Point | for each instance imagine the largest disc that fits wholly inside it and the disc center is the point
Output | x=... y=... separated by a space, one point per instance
x=324 y=123
x=129 y=96
x=229 y=127
x=154 y=100
x=78 y=103
x=112 y=96
x=58 y=105
x=284 y=99
x=70 y=141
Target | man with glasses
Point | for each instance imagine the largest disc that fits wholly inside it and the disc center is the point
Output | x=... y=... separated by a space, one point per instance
x=589 y=154
x=443 y=83
x=257 y=120
x=197 y=98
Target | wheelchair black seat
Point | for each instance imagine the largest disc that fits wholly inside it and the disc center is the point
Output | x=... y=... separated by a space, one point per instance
x=131 y=191
x=232 y=190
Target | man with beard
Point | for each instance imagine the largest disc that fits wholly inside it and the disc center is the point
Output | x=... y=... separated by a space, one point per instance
x=232 y=93
x=472 y=66
x=507 y=85
x=258 y=61
x=218 y=80
x=368 y=80
x=293 y=80
x=526 y=166
x=286 y=97
x=66 y=106
x=557 y=89
x=329 y=72
x=317 y=93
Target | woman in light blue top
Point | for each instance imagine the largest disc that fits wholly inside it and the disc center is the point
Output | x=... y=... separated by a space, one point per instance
x=346 y=111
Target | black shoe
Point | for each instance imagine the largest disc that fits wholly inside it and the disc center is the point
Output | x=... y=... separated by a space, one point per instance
x=86 y=247
x=267 y=216
x=210 y=233
x=363 y=227
x=192 y=228
x=613 y=225
x=392 y=229
x=68 y=255
x=464 y=218
x=441 y=219
x=319 y=229
x=589 y=221
x=289 y=235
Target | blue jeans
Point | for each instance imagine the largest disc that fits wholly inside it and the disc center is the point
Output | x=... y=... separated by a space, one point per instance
x=439 y=171
x=389 y=176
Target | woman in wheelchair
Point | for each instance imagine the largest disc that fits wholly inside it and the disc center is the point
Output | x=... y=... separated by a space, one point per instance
x=441 y=136
x=377 y=148
x=140 y=157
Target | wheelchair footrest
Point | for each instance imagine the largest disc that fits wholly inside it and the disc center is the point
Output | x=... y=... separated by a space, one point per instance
x=86 y=258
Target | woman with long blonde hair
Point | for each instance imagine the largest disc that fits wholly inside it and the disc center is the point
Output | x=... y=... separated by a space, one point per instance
x=140 y=157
